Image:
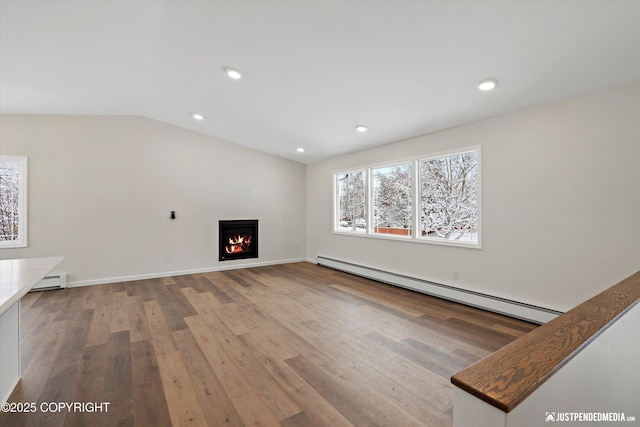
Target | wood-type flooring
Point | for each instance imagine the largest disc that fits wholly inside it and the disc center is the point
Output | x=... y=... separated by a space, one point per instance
x=286 y=345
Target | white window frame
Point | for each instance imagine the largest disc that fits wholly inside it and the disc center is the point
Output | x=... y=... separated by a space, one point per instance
x=372 y=205
x=415 y=236
x=22 y=241
x=336 y=205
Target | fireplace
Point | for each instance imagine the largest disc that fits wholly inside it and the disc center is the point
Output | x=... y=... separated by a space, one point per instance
x=238 y=239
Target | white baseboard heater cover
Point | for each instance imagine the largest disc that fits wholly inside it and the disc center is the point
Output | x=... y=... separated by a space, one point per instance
x=519 y=310
x=53 y=281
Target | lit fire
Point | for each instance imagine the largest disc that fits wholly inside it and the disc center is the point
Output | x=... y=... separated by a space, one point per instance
x=238 y=244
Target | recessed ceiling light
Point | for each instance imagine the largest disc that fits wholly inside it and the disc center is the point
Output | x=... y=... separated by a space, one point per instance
x=361 y=128
x=300 y=150
x=197 y=116
x=233 y=73
x=487 y=84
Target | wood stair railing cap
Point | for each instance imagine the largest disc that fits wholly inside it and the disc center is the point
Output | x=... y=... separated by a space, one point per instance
x=505 y=378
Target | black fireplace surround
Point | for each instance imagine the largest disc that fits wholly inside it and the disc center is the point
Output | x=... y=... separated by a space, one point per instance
x=237 y=239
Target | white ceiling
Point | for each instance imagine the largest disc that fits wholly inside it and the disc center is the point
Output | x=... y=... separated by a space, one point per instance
x=313 y=69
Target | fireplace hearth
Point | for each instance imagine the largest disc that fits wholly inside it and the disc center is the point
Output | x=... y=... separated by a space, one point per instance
x=237 y=239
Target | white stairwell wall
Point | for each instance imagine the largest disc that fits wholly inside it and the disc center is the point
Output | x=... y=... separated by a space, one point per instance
x=602 y=380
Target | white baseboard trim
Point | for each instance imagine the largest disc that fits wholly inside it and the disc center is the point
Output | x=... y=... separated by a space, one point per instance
x=519 y=310
x=159 y=275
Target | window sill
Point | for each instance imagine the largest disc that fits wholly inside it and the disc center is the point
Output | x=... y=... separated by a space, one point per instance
x=13 y=245
x=400 y=238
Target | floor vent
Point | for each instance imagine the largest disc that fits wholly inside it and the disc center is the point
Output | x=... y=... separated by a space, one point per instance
x=53 y=281
x=504 y=306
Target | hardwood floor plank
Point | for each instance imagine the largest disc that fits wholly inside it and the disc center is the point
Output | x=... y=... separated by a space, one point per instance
x=298 y=420
x=179 y=394
x=255 y=320
x=150 y=406
x=286 y=345
x=427 y=359
x=204 y=304
x=271 y=282
x=232 y=316
x=33 y=331
x=209 y=286
x=89 y=384
x=138 y=326
x=64 y=306
x=147 y=289
x=235 y=278
x=159 y=329
x=181 y=399
x=144 y=364
x=118 y=383
x=225 y=368
x=28 y=300
x=170 y=308
x=433 y=389
x=413 y=403
x=58 y=388
x=37 y=372
x=87 y=299
x=443 y=338
x=358 y=403
x=271 y=393
x=101 y=321
x=205 y=383
x=253 y=410
x=34 y=377
x=380 y=299
x=119 y=312
x=168 y=281
x=188 y=281
x=224 y=284
x=316 y=408
x=344 y=364
x=447 y=361
x=182 y=304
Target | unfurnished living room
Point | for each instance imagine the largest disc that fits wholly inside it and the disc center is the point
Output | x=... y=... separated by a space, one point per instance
x=319 y=213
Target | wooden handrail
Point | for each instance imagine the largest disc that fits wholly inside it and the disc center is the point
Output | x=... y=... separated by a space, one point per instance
x=505 y=378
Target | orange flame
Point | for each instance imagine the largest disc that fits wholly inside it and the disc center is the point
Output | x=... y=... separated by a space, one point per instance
x=238 y=244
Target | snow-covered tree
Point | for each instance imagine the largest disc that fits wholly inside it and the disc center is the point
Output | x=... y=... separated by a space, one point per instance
x=352 y=195
x=449 y=195
x=392 y=196
x=9 y=187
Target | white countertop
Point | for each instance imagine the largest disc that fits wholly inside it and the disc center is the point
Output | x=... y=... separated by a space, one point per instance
x=18 y=276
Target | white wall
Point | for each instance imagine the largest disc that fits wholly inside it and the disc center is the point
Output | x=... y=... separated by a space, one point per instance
x=101 y=190
x=561 y=203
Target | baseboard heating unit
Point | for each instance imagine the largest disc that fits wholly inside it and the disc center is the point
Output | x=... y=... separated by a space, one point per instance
x=53 y=281
x=504 y=306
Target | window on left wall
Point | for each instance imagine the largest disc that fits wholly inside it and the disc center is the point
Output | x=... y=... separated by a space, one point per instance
x=13 y=201
x=351 y=188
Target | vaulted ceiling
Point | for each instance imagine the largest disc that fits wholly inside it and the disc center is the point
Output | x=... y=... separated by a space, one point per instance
x=313 y=70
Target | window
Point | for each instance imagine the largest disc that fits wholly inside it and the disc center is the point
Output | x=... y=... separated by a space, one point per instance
x=392 y=199
x=429 y=199
x=13 y=201
x=352 y=206
x=449 y=197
